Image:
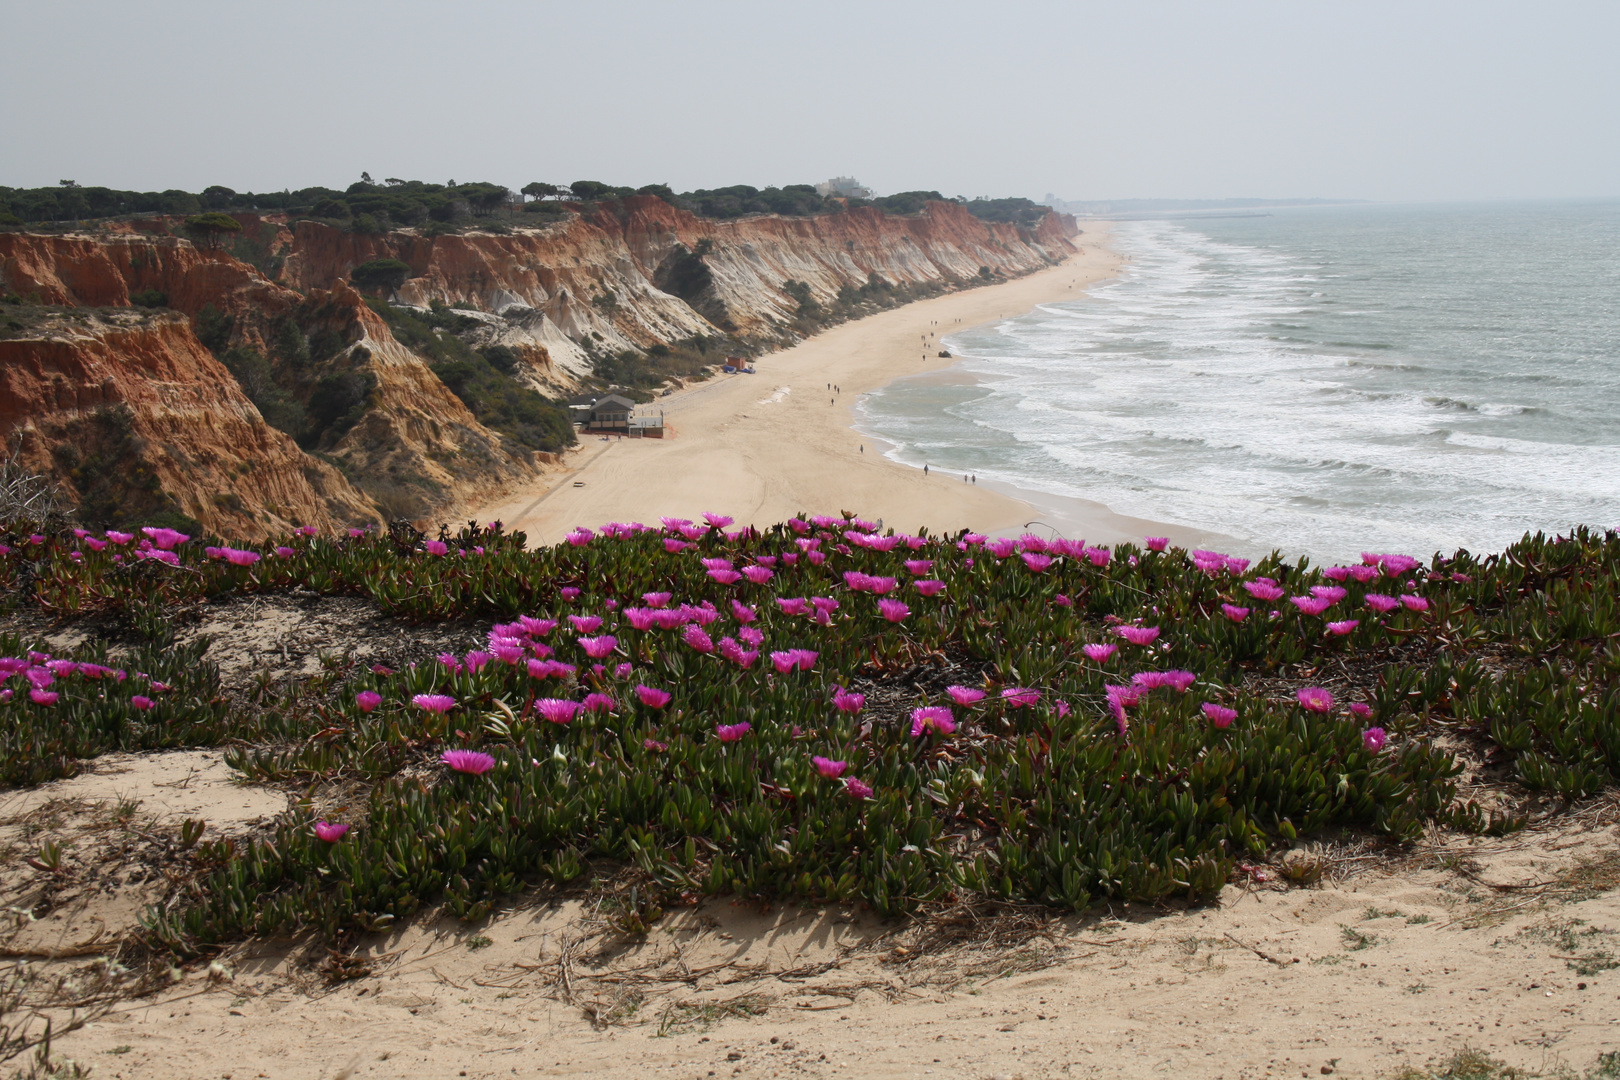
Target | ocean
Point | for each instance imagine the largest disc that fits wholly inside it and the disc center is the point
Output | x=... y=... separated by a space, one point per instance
x=1321 y=381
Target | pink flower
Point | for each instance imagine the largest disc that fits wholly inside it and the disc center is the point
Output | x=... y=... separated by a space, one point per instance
x=929 y=587
x=750 y=635
x=694 y=636
x=725 y=577
x=796 y=605
x=1138 y=635
x=1361 y=709
x=1340 y=629
x=326 y=830
x=142 y=703
x=165 y=539
x=569 y=593
x=654 y=745
x=919 y=567
x=732 y=732
x=757 y=574
x=932 y=718
x=1235 y=613
x=1380 y=603
x=597 y=703
x=43 y=697
x=1098 y=556
x=1020 y=697
x=793 y=659
x=893 y=610
x=580 y=537
x=355 y=534
x=1264 y=589
x=1037 y=563
x=598 y=647
x=848 y=701
x=675 y=547
x=1414 y=603
x=1158 y=543
x=743 y=612
x=585 y=624
x=717 y=521
x=556 y=710
x=1098 y=653
x=119 y=537
x=477 y=658
x=285 y=552
x=468 y=761
x=436 y=547
x=652 y=698
x=537 y=627
x=964 y=695
x=367 y=700
x=656 y=599
x=1331 y=593
x=93 y=544
x=1062 y=600
x=434 y=703
x=832 y=770
x=856 y=789
x=1218 y=715
x=1316 y=699
x=1311 y=605
x=1373 y=739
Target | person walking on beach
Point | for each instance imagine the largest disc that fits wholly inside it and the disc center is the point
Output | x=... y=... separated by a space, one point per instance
x=925 y=470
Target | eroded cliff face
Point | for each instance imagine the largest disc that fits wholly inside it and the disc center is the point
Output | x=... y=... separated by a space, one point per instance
x=130 y=414
x=624 y=275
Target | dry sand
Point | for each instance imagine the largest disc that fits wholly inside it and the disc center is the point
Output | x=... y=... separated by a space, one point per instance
x=1505 y=945
x=764 y=447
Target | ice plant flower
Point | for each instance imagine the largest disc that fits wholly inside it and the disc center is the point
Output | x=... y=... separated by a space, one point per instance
x=929 y=587
x=795 y=605
x=436 y=547
x=717 y=521
x=586 y=624
x=468 y=761
x=1361 y=709
x=1235 y=613
x=329 y=831
x=919 y=567
x=569 y=593
x=580 y=537
x=1316 y=699
x=848 y=701
x=141 y=702
x=732 y=732
x=725 y=577
x=1219 y=715
x=743 y=613
x=1037 y=563
x=932 y=718
x=367 y=700
x=1020 y=697
x=434 y=703
x=857 y=790
x=556 y=710
x=1264 y=589
x=1311 y=605
x=964 y=695
x=1098 y=653
x=1330 y=593
x=1340 y=629
x=893 y=610
x=165 y=539
x=1381 y=603
x=1138 y=635
x=759 y=575
x=828 y=768
x=694 y=637
x=43 y=697
x=1414 y=603
x=652 y=697
x=1373 y=739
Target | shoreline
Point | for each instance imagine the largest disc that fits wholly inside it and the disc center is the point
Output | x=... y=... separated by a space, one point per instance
x=762 y=448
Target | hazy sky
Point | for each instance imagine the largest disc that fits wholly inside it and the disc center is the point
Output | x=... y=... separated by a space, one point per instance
x=1407 y=100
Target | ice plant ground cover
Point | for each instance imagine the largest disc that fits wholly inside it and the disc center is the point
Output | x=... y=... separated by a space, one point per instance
x=1086 y=725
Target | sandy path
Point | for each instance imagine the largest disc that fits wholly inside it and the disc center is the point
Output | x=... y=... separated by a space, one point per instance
x=764 y=447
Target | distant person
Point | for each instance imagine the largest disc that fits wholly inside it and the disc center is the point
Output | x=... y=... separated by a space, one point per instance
x=925 y=470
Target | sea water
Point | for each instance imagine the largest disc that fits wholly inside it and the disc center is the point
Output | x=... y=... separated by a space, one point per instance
x=1322 y=381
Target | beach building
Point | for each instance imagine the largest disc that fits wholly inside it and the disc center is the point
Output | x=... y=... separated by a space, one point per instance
x=843 y=187
x=610 y=414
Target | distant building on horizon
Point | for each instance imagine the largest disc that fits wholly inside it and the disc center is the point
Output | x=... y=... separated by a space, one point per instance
x=843 y=187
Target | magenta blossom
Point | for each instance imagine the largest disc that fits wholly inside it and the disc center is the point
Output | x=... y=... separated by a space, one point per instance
x=597 y=703
x=556 y=710
x=929 y=587
x=468 y=761
x=1138 y=635
x=964 y=695
x=1219 y=715
x=795 y=605
x=1037 y=563
x=436 y=547
x=1414 y=603
x=1316 y=699
x=1264 y=589
x=367 y=700
x=743 y=612
x=1020 y=697
x=793 y=659
x=651 y=697
x=1373 y=739
x=856 y=789
x=434 y=703
x=1311 y=605
x=43 y=697
x=569 y=593
x=919 y=567
x=1235 y=613
x=732 y=732
x=330 y=832
x=141 y=702
x=717 y=521
x=1099 y=653
x=1340 y=629
x=759 y=575
x=932 y=718
x=654 y=745
x=656 y=599
x=832 y=770
x=1158 y=543
x=893 y=610
x=1332 y=593
x=1380 y=603
x=694 y=637
x=847 y=701
x=165 y=539
x=585 y=624
x=119 y=537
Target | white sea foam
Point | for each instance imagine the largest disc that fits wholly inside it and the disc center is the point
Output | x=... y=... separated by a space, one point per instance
x=1319 y=382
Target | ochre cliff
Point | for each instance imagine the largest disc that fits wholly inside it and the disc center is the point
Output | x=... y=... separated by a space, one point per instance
x=133 y=416
x=627 y=274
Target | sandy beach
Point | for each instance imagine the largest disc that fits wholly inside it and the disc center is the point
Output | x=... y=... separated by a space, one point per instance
x=764 y=447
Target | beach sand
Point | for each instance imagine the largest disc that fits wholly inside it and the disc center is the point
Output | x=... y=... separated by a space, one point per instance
x=764 y=447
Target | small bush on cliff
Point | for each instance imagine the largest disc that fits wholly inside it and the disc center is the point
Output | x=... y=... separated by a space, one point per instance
x=279 y=408
x=211 y=228
x=149 y=298
x=213 y=328
x=337 y=403
x=383 y=276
